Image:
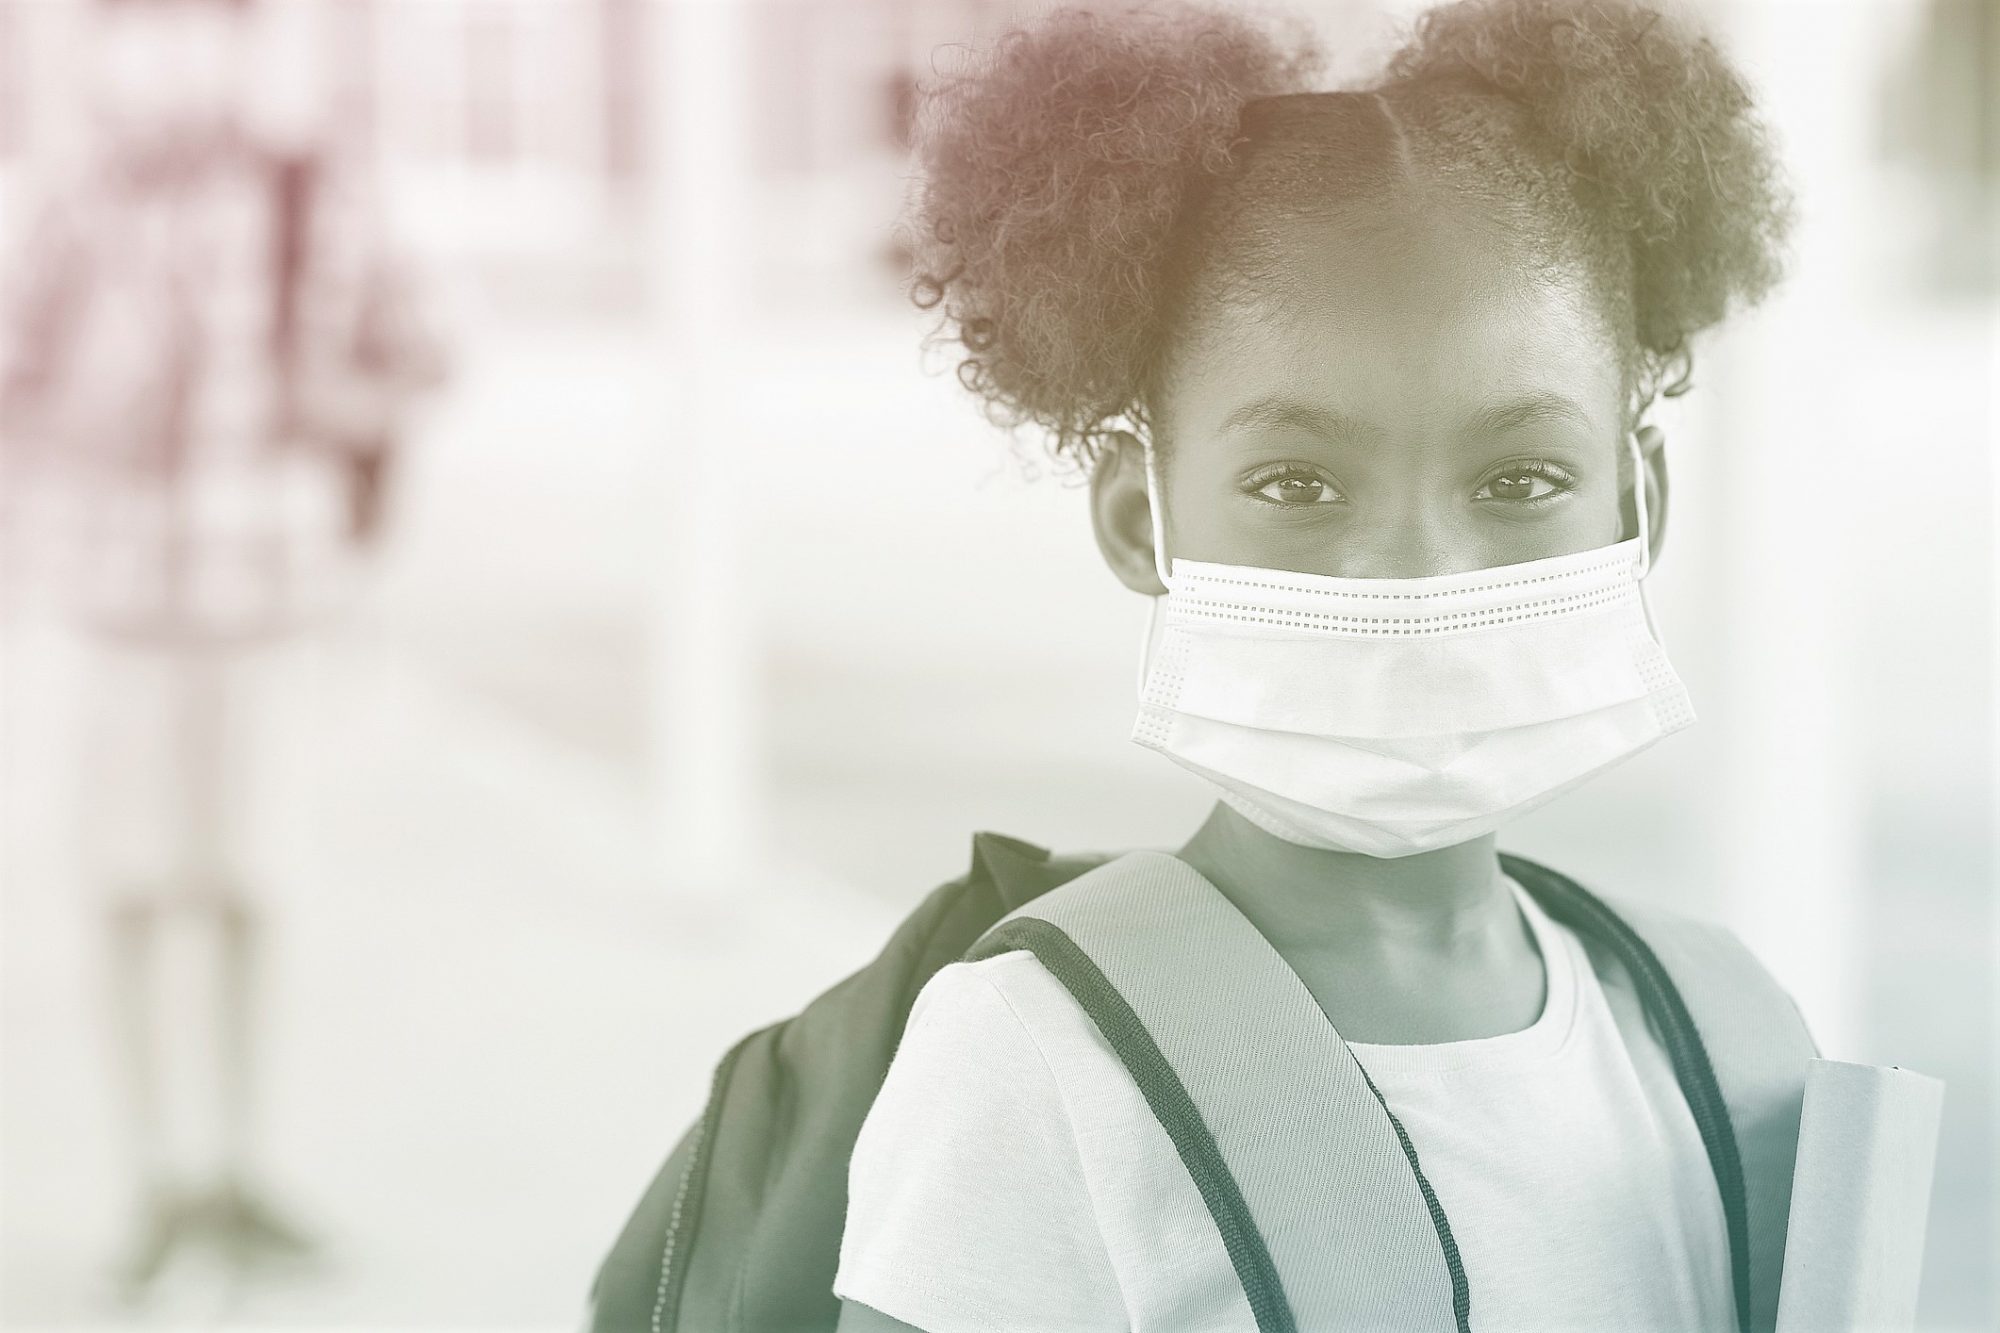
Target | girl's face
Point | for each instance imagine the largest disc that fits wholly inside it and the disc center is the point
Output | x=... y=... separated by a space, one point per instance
x=1403 y=403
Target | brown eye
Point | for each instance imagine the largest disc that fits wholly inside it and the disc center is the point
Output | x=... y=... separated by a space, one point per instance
x=1295 y=489
x=1531 y=484
x=1518 y=486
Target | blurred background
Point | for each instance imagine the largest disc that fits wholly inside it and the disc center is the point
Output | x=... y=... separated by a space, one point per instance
x=498 y=602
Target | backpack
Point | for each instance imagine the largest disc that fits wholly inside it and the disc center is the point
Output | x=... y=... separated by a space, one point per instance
x=760 y=1178
x=740 y=1230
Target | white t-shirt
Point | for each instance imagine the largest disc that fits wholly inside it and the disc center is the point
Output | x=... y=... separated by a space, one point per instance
x=1010 y=1175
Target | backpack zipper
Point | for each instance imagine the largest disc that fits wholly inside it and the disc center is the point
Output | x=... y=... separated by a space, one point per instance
x=689 y=1193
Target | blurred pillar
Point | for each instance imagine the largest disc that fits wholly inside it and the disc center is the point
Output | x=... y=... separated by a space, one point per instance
x=622 y=55
x=1793 y=808
x=13 y=91
x=353 y=59
x=703 y=742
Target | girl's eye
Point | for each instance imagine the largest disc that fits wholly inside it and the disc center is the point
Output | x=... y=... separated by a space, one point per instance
x=1532 y=482
x=1294 y=487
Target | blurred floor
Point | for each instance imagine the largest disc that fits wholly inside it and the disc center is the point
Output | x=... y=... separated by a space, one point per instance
x=483 y=1042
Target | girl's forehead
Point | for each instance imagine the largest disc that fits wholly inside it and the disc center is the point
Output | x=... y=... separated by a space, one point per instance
x=1426 y=318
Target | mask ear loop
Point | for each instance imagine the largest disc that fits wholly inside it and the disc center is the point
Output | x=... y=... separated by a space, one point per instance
x=1645 y=533
x=1160 y=563
x=1639 y=503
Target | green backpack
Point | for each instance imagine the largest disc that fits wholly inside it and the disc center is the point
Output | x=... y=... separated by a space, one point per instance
x=739 y=1231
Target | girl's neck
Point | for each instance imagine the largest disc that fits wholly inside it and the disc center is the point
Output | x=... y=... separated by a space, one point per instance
x=1308 y=900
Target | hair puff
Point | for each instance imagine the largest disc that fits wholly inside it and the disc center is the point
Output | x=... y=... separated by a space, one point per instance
x=1053 y=172
x=1657 y=131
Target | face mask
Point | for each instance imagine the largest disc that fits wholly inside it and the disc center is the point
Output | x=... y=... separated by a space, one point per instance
x=1390 y=716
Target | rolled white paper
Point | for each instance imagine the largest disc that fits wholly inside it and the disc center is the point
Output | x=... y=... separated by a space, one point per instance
x=1861 y=1189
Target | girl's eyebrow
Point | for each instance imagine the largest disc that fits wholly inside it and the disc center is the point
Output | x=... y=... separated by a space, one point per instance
x=1338 y=427
x=1277 y=410
x=1526 y=410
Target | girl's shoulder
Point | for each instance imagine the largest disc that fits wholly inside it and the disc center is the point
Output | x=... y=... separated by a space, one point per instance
x=1006 y=1004
x=1002 y=1039
x=1708 y=961
x=967 y=1205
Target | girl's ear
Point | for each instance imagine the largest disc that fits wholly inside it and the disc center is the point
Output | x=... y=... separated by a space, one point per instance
x=1651 y=448
x=1119 y=512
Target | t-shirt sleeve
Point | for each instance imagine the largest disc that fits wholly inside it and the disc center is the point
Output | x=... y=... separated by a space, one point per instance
x=968 y=1210
x=1756 y=965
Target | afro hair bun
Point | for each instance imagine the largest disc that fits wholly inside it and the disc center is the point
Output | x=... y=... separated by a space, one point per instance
x=1658 y=132
x=1052 y=173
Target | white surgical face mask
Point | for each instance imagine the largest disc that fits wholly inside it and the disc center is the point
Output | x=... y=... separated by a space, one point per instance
x=1390 y=716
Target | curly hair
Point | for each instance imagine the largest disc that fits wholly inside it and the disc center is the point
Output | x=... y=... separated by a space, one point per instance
x=1089 y=181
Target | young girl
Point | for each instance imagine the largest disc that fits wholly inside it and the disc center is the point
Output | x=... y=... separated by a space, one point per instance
x=1360 y=378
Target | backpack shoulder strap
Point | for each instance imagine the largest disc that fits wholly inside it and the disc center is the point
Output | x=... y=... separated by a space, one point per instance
x=1759 y=1047
x=1248 y=1077
x=1739 y=1047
